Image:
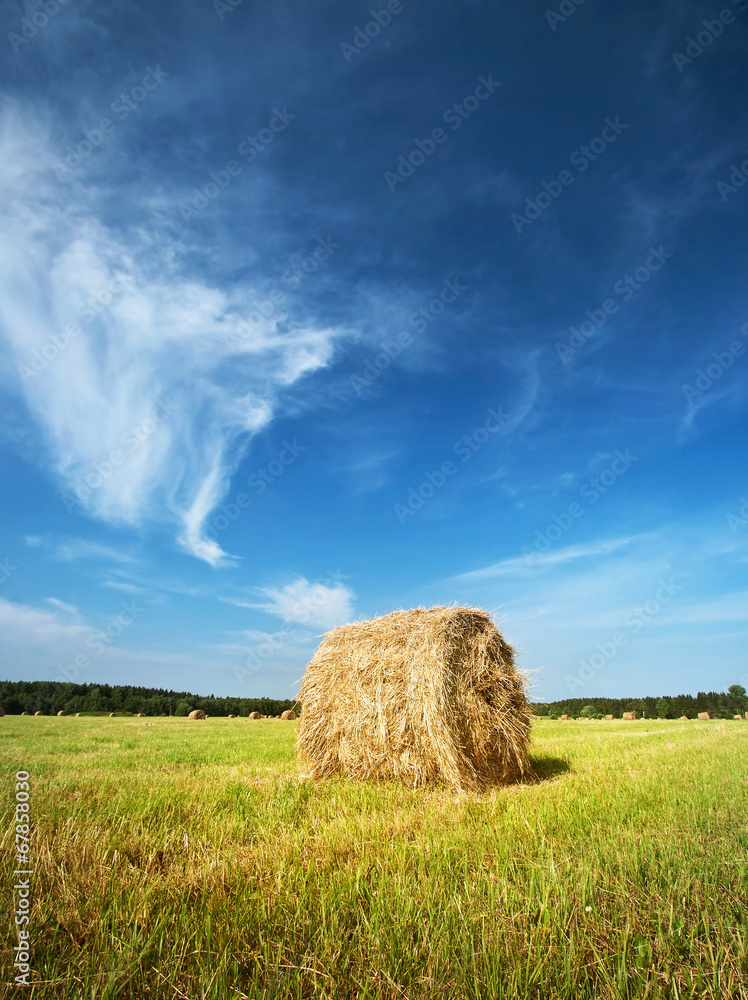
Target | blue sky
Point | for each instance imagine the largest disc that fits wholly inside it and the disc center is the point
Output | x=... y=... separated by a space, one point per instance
x=309 y=313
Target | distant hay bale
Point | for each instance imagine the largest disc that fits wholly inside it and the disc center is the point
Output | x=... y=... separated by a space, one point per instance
x=24 y=713
x=77 y=715
x=62 y=713
x=112 y=715
x=738 y=717
x=231 y=716
x=629 y=716
x=704 y=717
x=38 y=713
x=288 y=714
x=254 y=715
x=140 y=715
x=422 y=696
x=684 y=718
x=197 y=713
x=608 y=718
x=564 y=718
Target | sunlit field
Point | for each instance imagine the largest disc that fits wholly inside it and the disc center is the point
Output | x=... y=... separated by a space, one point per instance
x=178 y=859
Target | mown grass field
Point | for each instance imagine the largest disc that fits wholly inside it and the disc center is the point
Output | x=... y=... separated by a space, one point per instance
x=178 y=859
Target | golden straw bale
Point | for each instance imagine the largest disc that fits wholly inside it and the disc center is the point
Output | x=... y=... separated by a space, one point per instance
x=738 y=717
x=288 y=714
x=254 y=715
x=704 y=717
x=111 y=715
x=231 y=716
x=422 y=696
x=629 y=716
x=684 y=718
x=140 y=715
x=197 y=713
x=62 y=713
x=564 y=718
x=38 y=713
x=608 y=718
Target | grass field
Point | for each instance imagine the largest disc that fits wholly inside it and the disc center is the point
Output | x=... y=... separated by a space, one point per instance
x=194 y=860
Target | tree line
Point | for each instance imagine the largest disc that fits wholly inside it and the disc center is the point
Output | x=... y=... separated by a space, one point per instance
x=719 y=705
x=51 y=697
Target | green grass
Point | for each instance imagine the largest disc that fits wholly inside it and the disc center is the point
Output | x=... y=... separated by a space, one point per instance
x=193 y=859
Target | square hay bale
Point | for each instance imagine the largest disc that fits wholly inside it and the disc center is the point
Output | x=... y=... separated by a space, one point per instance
x=629 y=716
x=608 y=718
x=564 y=718
x=704 y=717
x=422 y=696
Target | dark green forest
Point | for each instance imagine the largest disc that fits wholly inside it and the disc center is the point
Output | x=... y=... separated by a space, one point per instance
x=51 y=697
x=718 y=705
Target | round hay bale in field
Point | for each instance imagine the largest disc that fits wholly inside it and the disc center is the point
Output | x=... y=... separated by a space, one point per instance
x=704 y=717
x=738 y=717
x=231 y=716
x=564 y=718
x=255 y=715
x=77 y=715
x=140 y=715
x=112 y=715
x=24 y=713
x=608 y=718
x=38 y=713
x=422 y=696
x=629 y=716
x=289 y=714
x=684 y=718
x=197 y=713
x=61 y=713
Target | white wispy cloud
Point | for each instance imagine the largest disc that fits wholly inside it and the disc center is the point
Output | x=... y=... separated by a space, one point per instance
x=305 y=603
x=518 y=565
x=146 y=405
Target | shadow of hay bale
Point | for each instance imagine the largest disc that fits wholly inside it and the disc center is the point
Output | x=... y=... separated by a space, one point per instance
x=546 y=768
x=422 y=696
